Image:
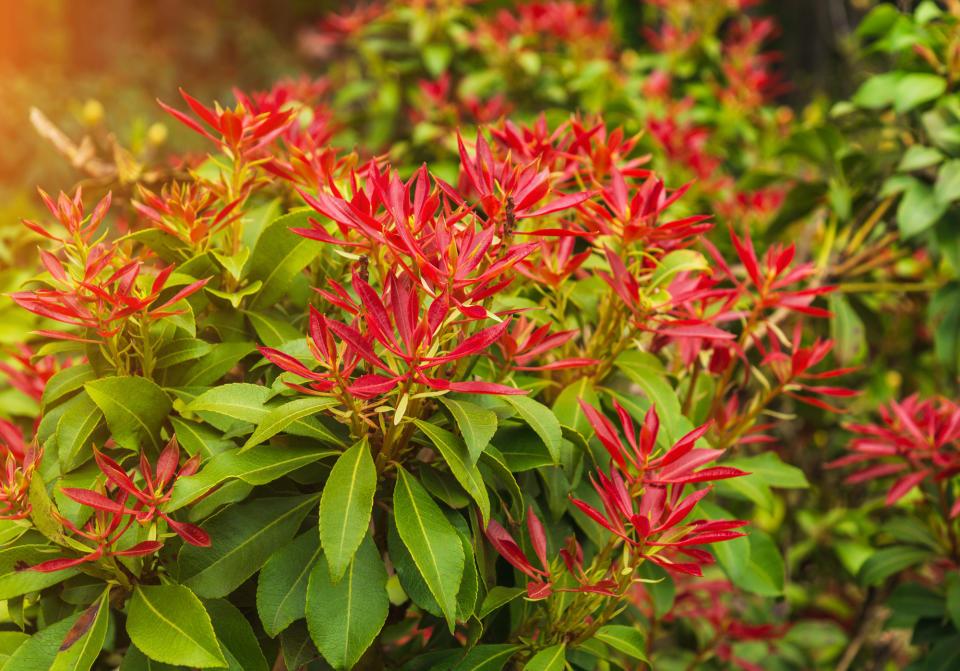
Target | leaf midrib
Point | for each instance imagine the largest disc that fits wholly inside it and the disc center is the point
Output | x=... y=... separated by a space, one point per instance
x=143 y=597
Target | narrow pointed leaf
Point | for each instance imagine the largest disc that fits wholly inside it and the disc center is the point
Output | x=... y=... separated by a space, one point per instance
x=542 y=420
x=432 y=541
x=345 y=618
x=282 y=584
x=458 y=459
x=345 y=507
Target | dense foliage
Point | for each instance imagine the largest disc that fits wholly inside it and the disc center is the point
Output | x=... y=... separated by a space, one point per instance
x=546 y=372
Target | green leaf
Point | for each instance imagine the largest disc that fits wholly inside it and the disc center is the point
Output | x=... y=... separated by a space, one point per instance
x=764 y=574
x=888 y=561
x=648 y=373
x=134 y=660
x=272 y=332
x=345 y=618
x=41 y=650
x=567 y=406
x=944 y=656
x=878 y=91
x=168 y=623
x=947 y=188
x=628 y=640
x=75 y=431
x=915 y=88
x=486 y=658
x=918 y=209
x=283 y=416
x=662 y=592
x=242 y=539
x=918 y=157
x=443 y=486
x=458 y=459
x=551 y=659
x=771 y=470
x=197 y=437
x=241 y=401
x=346 y=506
x=84 y=640
x=678 y=261
x=476 y=423
x=914 y=600
x=494 y=468
x=282 y=585
x=953 y=599
x=542 y=420
x=279 y=255
x=432 y=541
x=14 y=581
x=10 y=641
x=64 y=381
x=238 y=642
x=217 y=363
x=297 y=646
x=180 y=350
x=498 y=597
x=134 y=408
x=256 y=467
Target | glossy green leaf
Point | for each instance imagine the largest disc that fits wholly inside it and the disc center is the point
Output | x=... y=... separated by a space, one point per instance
x=14 y=581
x=281 y=417
x=197 y=437
x=279 y=255
x=541 y=419
x=242 y=539
x=648 y=373
x=271 y=332
x=181 y=350
x=346 y=506
x=771 y=470
x=677 y=261
x=567 y=407
x=498 y=597
x=75 y=431
x=240 y=401
x=296 y=645
x=431 y=540
x=282 y=584
x=134 y=408
x=550 y=659
x=238 y=642
x=65 y=381
x=486 y=658
x=628 y=640
x=256 y=467
x=345 y=618
x=764 y=575
x=84 y=640
x=134 y=660
x=168 y=623
x=41 y=650
x=217 y=363
x=457 y=457
x=476 y=423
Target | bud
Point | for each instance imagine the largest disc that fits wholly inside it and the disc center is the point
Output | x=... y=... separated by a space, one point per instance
x=92 y=113
x=156 y=134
